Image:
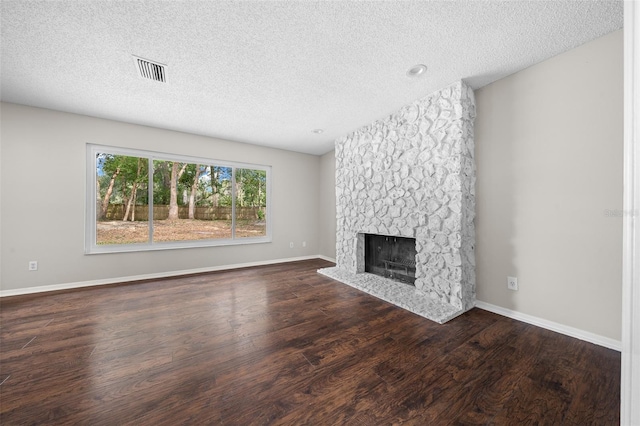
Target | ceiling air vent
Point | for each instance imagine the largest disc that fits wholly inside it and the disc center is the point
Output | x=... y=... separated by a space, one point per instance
x=151 y=70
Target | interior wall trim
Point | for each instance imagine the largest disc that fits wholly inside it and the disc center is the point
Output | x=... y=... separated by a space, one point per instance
x=117 y=280
x=596 y=339
x=630 y=372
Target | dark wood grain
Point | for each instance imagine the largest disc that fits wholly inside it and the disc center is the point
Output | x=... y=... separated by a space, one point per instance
x=282 y=344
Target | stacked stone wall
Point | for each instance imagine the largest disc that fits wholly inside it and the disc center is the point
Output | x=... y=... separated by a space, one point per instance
x=413 y=175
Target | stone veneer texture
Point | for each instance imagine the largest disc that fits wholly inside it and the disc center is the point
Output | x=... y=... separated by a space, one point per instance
x=413 y=175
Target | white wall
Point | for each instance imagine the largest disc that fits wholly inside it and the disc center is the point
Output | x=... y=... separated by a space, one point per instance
x=549 y=152
x=328 y=205
x=43 y=199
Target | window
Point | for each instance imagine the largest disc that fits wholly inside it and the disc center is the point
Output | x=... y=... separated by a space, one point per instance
x=143 y=200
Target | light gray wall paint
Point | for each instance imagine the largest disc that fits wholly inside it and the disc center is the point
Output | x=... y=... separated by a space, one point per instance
x=43 y=199
x=549 y=186
x=328 y=205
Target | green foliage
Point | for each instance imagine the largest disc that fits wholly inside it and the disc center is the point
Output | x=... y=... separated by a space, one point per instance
x=219 y=185
x=161 y=182
x=251 y=187
x=214 y=184
x=128 y=171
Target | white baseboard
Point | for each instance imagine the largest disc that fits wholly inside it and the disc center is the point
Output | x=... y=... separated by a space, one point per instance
x=328 y=259
x=553 y=326
x=80 y=284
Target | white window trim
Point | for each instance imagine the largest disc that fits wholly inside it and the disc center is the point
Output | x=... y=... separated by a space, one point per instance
x=91 y=213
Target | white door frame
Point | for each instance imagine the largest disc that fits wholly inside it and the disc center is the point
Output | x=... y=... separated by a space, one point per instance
x=630 y=377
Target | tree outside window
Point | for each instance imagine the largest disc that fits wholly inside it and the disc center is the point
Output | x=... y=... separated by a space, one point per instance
x=188 y=203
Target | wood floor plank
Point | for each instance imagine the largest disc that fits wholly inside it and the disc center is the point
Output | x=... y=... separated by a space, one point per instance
x=281 y=344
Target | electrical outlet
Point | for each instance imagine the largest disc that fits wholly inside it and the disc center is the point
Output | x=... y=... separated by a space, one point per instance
x=512 y=283
x=304 y=244
x=33 y=265
x=291 y=244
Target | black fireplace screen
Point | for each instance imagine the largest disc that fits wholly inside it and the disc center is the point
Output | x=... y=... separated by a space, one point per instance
x=391 y=257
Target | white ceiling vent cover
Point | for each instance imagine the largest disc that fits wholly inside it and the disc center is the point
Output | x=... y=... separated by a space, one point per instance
x=151 y=70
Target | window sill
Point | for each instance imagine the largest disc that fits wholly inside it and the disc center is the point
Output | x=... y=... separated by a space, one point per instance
x=128 y=248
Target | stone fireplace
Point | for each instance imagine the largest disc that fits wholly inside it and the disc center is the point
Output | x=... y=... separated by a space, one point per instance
x=412 y=176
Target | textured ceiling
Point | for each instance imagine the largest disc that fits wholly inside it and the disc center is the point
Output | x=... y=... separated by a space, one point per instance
x=268 y=73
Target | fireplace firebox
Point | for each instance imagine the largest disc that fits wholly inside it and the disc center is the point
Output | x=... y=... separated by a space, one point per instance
x=391 y=257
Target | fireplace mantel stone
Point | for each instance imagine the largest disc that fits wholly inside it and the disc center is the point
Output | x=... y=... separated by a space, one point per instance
x=413 y=175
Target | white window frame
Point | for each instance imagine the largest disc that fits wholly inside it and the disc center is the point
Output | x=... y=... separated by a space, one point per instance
x=91 y=247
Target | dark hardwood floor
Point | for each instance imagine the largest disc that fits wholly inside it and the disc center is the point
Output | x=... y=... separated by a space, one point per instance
x=282 y=344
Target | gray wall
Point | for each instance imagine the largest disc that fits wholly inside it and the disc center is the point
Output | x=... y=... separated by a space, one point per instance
x=549 y=152
x=43 y=199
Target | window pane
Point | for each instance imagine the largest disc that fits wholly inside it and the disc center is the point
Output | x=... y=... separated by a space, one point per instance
x=122 y=199
x=188 y=201
x=251 y=202
x=196 y=202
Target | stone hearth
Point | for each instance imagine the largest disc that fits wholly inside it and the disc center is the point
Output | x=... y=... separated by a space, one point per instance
x=412 y=175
